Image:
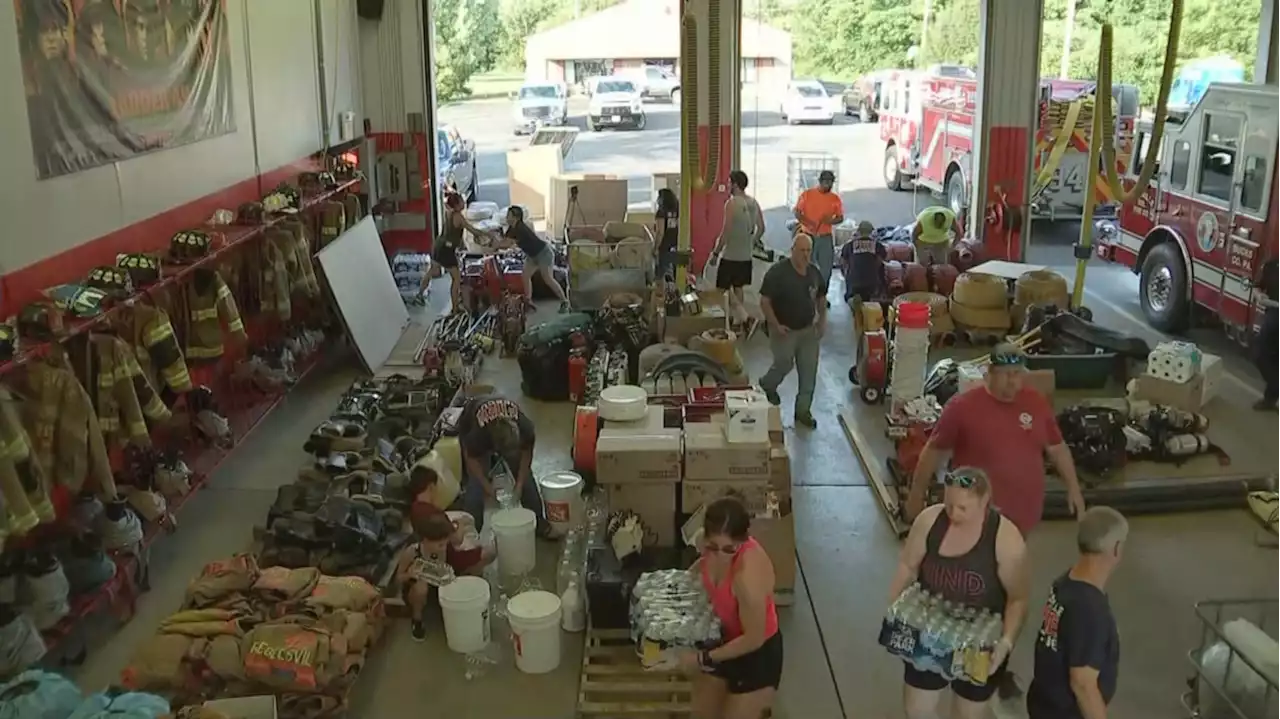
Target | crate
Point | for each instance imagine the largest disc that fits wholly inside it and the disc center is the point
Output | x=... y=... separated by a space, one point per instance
x=614 y=684
x=803 y=169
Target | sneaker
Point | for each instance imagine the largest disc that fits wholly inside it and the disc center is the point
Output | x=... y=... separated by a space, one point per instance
x=419 y=631
x=807 y=420
x=772 y=396
x=1265 y=405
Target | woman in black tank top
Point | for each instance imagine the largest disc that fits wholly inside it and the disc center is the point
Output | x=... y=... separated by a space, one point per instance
x=966 y=552
x=666 y=230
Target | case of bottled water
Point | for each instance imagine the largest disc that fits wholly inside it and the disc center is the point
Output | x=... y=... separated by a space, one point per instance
x=670 y=610
x=939 y=636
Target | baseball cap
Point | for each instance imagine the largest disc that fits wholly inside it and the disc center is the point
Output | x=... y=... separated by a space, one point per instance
x=826 y=175
x=865 y=229
x=1007 y=354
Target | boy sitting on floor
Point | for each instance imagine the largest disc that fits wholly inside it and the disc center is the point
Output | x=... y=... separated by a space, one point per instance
x=440 y=541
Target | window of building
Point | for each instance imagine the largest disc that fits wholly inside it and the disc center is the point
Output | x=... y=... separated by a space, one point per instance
x=750 y=71
x=1181 y=165
x=1218 y=155
x=1254 y=183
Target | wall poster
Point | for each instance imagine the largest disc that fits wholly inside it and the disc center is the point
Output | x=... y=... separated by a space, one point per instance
x=107 y=80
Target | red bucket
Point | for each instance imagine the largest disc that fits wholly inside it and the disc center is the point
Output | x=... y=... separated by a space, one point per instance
x=913 y=316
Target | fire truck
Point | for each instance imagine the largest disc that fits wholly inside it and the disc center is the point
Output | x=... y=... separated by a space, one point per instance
x=927 y=121
x=1201 y=232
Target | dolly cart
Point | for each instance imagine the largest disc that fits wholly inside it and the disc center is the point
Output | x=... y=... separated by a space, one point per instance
x=1231 y=683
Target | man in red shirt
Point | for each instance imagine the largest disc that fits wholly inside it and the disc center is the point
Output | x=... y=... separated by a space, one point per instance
x=1006 y=430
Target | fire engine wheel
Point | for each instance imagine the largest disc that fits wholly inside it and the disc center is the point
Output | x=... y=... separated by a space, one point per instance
x=1162 y=290
x=892 y=176
x=870 y=395
x=955 y=193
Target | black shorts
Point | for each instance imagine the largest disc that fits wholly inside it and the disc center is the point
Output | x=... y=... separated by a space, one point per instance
x=865 y=294
x=930 y=682
x=761 y=669
x=445 y=257
x=733 y=273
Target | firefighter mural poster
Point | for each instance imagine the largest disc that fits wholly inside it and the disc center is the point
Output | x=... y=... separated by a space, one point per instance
x=107 y=80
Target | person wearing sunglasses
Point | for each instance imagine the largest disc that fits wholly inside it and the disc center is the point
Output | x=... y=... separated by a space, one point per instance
x=739 y=678
x=966 y=552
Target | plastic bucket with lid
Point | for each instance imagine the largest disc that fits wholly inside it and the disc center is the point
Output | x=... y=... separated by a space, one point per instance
x=514 y=529
x=535 y=630
x=913 y=315
x=562 y=499
x=464 y=604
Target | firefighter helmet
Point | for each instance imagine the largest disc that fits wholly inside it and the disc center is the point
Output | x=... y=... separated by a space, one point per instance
x=114 y=282
x=251 y=213
x=8 y=342
x=78 y=300
x=40 y=320
x=276 y=202
x=291 y=194
x=188 y=246
x=143 y=269
x=328 y=181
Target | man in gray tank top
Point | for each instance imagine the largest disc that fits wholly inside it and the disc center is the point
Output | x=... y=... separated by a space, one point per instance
x=743 y=226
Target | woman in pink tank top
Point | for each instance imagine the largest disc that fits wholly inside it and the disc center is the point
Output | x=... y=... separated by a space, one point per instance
x=739 y=678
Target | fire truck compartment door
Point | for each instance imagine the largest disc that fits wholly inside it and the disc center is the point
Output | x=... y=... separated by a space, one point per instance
x=933 y=161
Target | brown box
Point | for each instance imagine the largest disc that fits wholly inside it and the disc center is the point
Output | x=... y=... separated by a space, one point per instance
x=1186 y=396
x=754 y=493
x=776 y=436
x=631 y=456
x=708 y=456
x=529 y=173
x=780 y=469
x=601 y=199
x=678 y=330
x=655 y=503
x=778 y=537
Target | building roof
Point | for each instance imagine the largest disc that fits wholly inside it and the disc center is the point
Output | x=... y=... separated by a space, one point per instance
x=637 y=29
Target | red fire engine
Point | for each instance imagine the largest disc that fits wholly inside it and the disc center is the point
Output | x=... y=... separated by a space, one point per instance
x=927 y=120
x=1200 y=233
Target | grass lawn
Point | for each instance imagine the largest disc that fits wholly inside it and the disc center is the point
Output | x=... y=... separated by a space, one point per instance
x=498 y=83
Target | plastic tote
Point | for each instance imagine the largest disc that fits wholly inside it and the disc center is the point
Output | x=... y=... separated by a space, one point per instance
x=464 y=604
x=535 y=630
x=514 y=529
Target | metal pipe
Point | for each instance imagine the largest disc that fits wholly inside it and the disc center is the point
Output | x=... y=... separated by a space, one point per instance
x=323 y=79
x=253 y=112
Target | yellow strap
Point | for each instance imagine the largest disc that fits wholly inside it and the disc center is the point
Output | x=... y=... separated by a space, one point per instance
x=1060 y=146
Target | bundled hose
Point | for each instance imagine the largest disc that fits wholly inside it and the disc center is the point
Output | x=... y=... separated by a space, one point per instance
x=1102 y=147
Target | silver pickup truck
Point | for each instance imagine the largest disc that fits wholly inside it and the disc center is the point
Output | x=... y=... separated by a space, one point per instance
x=538 y=104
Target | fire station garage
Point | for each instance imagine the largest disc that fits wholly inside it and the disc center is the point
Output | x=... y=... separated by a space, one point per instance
x=293 y=425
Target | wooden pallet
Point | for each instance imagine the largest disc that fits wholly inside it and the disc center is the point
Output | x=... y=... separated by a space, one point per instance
x=614 y=684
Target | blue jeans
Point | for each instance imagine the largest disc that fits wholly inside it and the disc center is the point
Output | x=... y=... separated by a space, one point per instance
x=473 y=501
x=824 y=256
x=798 y=349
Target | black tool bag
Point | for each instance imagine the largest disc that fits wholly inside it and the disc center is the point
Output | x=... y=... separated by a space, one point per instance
x=351 y=525
x=544 y=356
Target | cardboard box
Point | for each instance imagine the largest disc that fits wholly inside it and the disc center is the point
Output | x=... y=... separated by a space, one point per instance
x=529 y=173
x=780 y=469
x=640 y=217
x=655 y=503
x=1187 y=396
x=753 y=493
x=775 y=426
x=256 y=707
x=601 y=199
x=1211 y=372
x=654 y=419
x=627 y=456
x=778 y=537
x=746 y=416
x=708 y=454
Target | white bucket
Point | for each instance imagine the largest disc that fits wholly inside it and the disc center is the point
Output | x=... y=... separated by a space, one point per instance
x=562 y=499
x=535 y=629
x=514 y=529
x=464 y=604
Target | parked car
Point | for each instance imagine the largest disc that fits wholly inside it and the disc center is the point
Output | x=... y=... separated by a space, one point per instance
x=861 y=99
x=808 y=101
x=544 y=103
x=655 y=83
x=456 y=161
x=616 y=103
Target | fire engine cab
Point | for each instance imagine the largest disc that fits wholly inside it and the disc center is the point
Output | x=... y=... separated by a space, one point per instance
x=1201 y=232
x=927 y=121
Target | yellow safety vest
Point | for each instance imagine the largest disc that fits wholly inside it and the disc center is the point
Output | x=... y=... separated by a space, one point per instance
x=930 y=233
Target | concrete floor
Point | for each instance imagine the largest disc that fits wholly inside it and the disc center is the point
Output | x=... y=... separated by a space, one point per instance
x=846 y=553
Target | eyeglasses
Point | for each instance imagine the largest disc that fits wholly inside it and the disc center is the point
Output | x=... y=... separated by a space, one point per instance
x=712 y=548
x=961 y=479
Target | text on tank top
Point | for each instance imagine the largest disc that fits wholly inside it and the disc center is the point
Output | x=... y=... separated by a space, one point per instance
x=670 y=230
x=972 y=578
x=725 y=603
x=740 y=232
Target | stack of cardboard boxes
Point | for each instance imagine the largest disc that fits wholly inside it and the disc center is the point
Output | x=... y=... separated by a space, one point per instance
x=666 y=474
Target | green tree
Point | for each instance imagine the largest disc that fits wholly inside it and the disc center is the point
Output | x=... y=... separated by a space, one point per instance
x=486 y=34
x=841 y=39
x=465 y=38
x=520 y=19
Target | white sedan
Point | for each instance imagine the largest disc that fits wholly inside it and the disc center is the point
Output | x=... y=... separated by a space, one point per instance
x=808 y=101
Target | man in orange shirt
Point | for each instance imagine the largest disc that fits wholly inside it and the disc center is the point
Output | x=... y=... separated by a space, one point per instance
x=817 y=210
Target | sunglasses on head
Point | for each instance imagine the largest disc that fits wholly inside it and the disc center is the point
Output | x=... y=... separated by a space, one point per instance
x=712 y=548
x=963 y=480
x=1008 y=359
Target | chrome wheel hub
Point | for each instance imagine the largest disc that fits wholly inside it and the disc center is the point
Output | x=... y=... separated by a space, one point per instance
x=1159 y=289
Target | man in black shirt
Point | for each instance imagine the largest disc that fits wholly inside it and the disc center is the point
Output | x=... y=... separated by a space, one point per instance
x=493 y=429
x=538 y=257
x=1267 y=351
x=862 y=261
x=793 y=299
x=1078 y=648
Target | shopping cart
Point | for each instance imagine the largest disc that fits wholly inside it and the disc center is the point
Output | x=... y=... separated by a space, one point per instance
x=1228 y=681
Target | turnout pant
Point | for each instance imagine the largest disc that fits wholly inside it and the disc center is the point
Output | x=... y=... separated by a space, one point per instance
x=799 y=349
x=1267 y=353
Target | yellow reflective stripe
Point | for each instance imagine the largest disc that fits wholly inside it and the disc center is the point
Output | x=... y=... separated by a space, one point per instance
x=223 y=292
x=236 y=325
x=177 y=379
x=106 y=380
x=155 y=409
x=204 y=352
x=157 y=335
x=109 y=424
x=202 y=315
